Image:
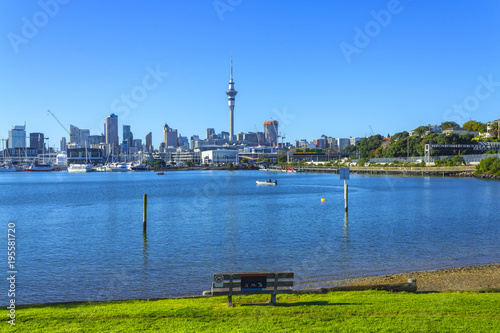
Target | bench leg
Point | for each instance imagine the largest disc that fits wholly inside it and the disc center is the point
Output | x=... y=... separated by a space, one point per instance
x=273 y=299
x=230 y=296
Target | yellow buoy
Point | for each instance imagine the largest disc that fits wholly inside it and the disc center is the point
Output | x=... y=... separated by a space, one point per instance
x=322 y=199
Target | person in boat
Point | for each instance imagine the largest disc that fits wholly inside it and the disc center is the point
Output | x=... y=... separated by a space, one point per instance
x=275 y=182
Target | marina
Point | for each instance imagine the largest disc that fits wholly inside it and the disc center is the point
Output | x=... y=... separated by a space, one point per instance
x=89 y=243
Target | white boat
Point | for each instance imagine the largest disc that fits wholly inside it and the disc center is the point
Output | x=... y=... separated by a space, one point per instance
x=80 y=167
x=7 y=168
x=267 y=182
x=103 y=168
x=40 y=167
x=138 y=167
x=119 y=167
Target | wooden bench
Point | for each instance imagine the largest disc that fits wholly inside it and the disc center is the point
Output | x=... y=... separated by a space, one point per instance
x=252 y=283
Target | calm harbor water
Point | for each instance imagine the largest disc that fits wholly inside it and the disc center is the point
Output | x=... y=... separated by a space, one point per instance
x=79 y=237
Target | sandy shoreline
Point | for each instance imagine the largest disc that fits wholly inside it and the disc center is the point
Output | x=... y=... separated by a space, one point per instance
x=469 y=278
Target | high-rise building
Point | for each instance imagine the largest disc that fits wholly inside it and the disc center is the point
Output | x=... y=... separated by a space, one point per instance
x=84 y=138
x=79 y=136
x=149 y=142
x=342 y=143
x=96 y=139
x=36 y=141
x=271 y=132
x=231 y=93
x=126 y=137
x=126 y=133
x=63 y=144
x=74 y=136
x=170 y=137
x=183 y=142
x=111 y=132
x=354 y=140
x=137 y=143
x=251 y=138
x=17 y=137
x=194 y=141
x=210 y=133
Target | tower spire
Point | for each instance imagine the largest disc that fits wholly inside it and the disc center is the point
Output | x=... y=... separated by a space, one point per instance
x=231 y=93
x=231 y=77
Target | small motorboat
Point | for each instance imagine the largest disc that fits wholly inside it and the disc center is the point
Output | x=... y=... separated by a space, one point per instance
x=267 y=182
x=160 y=173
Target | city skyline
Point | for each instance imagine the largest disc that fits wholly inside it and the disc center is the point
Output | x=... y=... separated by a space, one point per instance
x=333 y=68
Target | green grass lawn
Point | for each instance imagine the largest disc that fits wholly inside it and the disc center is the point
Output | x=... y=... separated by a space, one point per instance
x=353 y=311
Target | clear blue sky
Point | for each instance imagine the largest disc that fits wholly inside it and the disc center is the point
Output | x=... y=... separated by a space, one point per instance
x=302 y=63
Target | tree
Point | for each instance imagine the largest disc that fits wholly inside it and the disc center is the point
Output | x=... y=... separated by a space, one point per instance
x=493 y=129
x=244 y=161
x=449 y=125
x=188 y=164
x=473 y=125
x=281 y=160
x=489 y=165
x=399 y=136
x=367 y=146
x=421 y=130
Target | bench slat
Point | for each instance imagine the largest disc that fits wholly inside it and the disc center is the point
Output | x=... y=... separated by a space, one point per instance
x=281 y=283
x=244 y=292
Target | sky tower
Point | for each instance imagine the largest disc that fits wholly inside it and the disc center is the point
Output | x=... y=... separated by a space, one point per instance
x=231 y=93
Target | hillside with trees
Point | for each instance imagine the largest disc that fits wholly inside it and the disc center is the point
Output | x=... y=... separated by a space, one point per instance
x=402 y=144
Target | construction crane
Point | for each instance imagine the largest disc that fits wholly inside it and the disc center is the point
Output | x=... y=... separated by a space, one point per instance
x=371 y=130
x=70 y=135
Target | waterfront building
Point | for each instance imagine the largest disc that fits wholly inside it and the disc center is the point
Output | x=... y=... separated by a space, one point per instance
x=271 y=132
x=17 y=137
x=111 y=132
x=181 y=157
x=37 y=142
x=220 y=156
x=85 y=155
x=149 y=142
x=169 y=137
x=62 y=144
x=231 y=94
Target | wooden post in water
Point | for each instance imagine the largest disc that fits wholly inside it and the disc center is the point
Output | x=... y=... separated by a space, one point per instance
x=145 y=212
x=346 y=196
